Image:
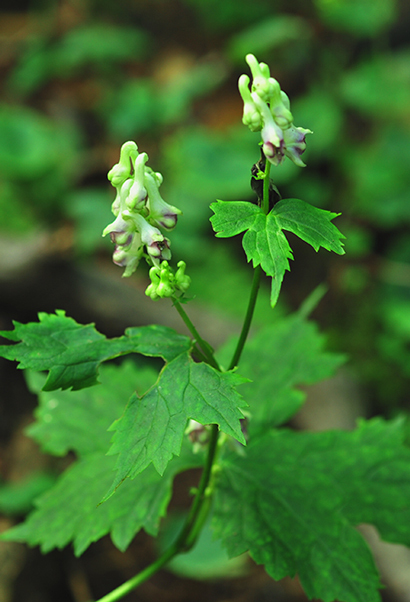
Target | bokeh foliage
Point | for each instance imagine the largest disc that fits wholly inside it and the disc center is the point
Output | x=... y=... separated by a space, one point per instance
x=86 y=77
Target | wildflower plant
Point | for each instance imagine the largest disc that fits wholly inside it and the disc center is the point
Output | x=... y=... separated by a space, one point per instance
x=292 y=500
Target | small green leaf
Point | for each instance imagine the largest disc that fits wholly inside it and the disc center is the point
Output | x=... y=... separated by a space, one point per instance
x=264 y=242
x=293 y=499
x=311 y=224
x=71 y=510
x=152 y=427
x=72 y=353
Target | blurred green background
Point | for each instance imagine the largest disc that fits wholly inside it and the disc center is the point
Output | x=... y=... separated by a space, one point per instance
x=80 y=77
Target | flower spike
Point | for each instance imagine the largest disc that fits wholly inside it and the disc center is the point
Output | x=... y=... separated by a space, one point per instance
x=267 y=109
x=140 y=212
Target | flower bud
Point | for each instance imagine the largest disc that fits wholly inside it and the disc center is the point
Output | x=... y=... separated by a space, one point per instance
x=122 y=170
x=261 y=81
x=137 y=194
x=151 y=290
x=182 y=280
x=165 y=287
x=280 y=112
x=251 y=116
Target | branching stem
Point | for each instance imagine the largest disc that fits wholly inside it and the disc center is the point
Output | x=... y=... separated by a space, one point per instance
x=201 y=503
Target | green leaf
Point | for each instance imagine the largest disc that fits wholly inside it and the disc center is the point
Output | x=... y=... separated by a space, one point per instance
x=311 y=224
x=277 y=359
x=266 y=245
x=264 y=242
x=152 y=427
x=363 y=18
x=293 y=499
x=17 y=497
x=73 y=352
x=79 y=420
x=71 y=510
x=234 y=217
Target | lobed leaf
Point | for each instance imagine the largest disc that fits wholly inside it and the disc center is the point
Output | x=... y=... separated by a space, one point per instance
x=71 y=510
x=277 y=359
x=79 y=420
x=294 y=498
x=311 y=224
x=72 y=352
x=234 y=217
x=152 y=427
x=264 y=242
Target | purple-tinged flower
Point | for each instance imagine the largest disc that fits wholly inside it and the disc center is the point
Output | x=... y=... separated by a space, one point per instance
x=128 y=256
x=272 y=134
x=157 y=245
x=160 y=213
x=295 y=144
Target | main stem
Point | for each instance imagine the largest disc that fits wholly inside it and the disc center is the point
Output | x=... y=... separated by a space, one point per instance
x=200 y=505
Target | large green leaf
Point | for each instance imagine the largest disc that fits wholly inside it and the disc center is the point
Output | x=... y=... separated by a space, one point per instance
x=293 y=499
x=71 y=510
x=277 y=359
x=72 y=352
x=264 y=242
x=151 y=429
x=79 y=420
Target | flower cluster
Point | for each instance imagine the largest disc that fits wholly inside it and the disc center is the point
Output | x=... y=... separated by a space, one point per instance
x=164 y=282
x=139 y=213
x=267 y=108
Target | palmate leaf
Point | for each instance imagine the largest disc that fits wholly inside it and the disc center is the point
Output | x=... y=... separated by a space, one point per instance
x=71 y=510
x=294 y=498
x=72 y=352
x=78 y=421
x=264 y=242
x=151 y=429
x=277 y=359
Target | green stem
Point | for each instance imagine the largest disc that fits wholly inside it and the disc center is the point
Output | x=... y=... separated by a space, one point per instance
x=256 y=281
x=189 y=532
x=204 y=346
x=201 y=503
x=248 y=318
x=266 y=182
